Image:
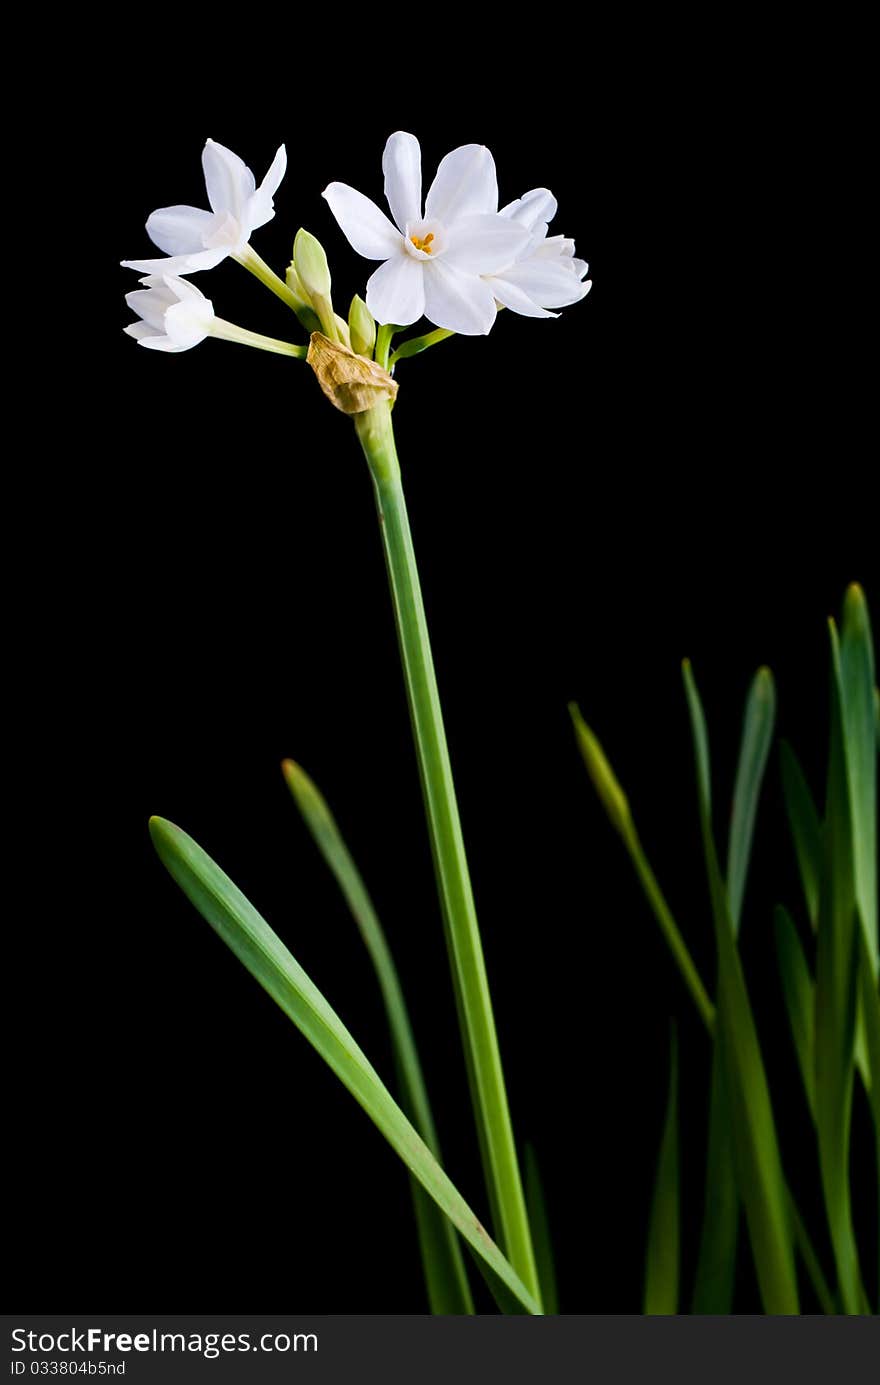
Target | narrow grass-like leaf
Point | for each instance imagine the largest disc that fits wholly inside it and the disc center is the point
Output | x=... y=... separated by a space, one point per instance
x=757 y=1160
x=798 y=992
x=615 y=802
x=811 y=1261
x=663 y=1250
x=859 y=712
x=836 y=979
x=806 y=829
x=536 y=1204
x=856 y=674
x=719 y=1194
x=869 y=1015
x=757 y=736
x=700 y=738
x=445 y=1274
x=719 y=1234
x=248 y=935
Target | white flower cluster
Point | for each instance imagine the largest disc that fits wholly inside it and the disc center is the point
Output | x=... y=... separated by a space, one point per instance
x=453 y=260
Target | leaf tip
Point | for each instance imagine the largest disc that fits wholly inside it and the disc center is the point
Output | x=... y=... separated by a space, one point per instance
x=765 y=684
x=855 y=610
x=604 y=779
x=296 y=779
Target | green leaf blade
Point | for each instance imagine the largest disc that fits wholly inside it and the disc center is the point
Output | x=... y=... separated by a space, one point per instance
x=856 y=681
x=805 y=827
x=757 y=1159
x=799 y=995
x=616 y=805
x=719 y=1235
x=662 y=1257
x=835 y=1003
x=536 y=1203
x=757 y=736
x=445 y=1273
x=255 y=944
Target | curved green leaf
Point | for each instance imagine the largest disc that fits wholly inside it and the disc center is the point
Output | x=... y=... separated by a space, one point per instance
x=836 y=997
x=536 y=1203
x=798 y=992
x=254 y=943
x=806 y=829
x=615 y=803
x=757 y=736
x=663 y=1250
x=716 y=1265
x=445 y=1274
x=757 y=1159
x=856 y=681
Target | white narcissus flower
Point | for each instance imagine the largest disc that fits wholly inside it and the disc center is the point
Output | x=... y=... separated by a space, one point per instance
x=545 y=274
x=433 y=259
x=175 y=315
x=196 y=239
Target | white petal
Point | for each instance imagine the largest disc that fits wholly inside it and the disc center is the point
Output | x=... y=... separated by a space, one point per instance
x=228 y=179
x=161 y=344
x=402 y=166
x=457 y=301
x=580 y=268
x=151 y=305
x=183 y=291
x=536 y=206
x=187 y=324
x=261 y=208
x=179 y=230
x=139 y=330
x=516 y=300
x=549 y=282
x=466 y=183
x=367 y=229
x=555 y=248
x=227 y=233
x=485 y=244
x=179 y=264
x=396 y=291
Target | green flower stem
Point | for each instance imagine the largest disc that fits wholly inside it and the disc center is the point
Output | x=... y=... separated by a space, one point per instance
x=228 y=331
x=418 y=344
x=459 y=915
x=266 y=275
x=383 y=347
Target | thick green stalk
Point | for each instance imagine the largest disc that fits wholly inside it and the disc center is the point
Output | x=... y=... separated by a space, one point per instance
x=456 y=897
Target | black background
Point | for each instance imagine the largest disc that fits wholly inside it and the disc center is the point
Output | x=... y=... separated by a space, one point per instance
x=678 y=465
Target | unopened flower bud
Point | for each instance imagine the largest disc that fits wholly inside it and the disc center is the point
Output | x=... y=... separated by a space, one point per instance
x=314 y=274
x=362 y=326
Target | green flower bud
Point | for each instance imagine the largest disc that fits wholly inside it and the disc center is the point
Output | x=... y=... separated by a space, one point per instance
x=295 y=284
x=310 y=266
x=362 y=326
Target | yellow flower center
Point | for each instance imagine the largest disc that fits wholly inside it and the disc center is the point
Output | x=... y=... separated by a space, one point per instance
x=423 y=243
